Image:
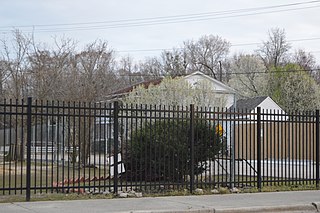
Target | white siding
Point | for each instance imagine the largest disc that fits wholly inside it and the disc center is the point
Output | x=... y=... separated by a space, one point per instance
x=270 y=107
x=220 y=88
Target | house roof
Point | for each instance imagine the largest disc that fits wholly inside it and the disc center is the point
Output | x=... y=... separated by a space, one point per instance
x=224 y=86
x=249 y=103
x=145 y=84
x=157 y=81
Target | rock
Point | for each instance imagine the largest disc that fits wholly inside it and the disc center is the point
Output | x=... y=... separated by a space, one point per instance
x=215 y=191
x=138 y=194
x=96 y=192
x=92 y=190
x=198 y=191
x=87 y=191
x=123 y=195
x=161 y=187
x=234 y=190
x=131 y=193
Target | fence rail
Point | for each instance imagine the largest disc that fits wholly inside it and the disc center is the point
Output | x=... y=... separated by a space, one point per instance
x=68 y=147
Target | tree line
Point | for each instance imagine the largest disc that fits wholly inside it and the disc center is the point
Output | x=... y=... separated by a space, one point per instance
x=64 y=71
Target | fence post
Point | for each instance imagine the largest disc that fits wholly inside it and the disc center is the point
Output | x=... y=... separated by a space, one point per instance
x=29 y=105
x=116 y=144
x=232 y=148
x=191 y=148
x=317 y=148
x=259 y=148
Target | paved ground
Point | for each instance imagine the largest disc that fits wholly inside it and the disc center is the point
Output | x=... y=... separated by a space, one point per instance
x=301 y=201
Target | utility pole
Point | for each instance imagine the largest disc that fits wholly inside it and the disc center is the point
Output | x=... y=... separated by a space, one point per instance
x=220 y=71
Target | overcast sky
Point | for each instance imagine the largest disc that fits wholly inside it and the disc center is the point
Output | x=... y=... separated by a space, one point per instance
x=105 y=20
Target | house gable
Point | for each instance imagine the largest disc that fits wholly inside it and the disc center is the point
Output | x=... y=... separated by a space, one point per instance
x=219 y=86
x=268 y=105
x=249 y=104
x=249 y=107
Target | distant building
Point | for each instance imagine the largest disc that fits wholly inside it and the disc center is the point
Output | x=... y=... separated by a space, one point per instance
x=193 y=79
x=249 y=106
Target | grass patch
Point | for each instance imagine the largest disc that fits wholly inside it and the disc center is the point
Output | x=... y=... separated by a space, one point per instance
x=53 y=197
x=43 y=178
x=176 y=192
x=14 y=175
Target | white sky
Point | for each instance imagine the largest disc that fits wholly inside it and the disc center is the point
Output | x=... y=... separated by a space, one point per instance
x=298 y=23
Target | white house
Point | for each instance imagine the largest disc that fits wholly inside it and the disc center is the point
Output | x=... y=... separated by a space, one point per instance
x=245 y=114
x=219 y=88
x=194 y=78
x=249 y=107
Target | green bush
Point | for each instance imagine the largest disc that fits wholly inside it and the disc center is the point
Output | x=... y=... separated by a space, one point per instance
x=161 y=150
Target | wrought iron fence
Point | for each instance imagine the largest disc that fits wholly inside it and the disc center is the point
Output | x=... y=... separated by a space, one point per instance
x=69 y=147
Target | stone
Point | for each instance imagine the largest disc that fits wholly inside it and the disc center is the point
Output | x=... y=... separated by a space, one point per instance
x=161 y=187
x=87 y=191
x=123 y=195
x=198 y=191
x=234 y=190
x=96 y=192
x=131 y=193
x=215 y=191
x=138 y=194
x=111 y=189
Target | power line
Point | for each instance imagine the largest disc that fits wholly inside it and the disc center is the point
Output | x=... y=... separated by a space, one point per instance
x=153 y=23
x=232 y=45
x=275 y=71
x=166 y=19
x=169 y=17
x=233 y=73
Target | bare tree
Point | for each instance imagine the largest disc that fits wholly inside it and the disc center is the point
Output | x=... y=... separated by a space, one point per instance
x=90 y=78
x=274 y=51
x=3 y=76
x=151 y=68
x=15 y=78
x=15 y=64
x=206 y=54
x=48 y=68
x=248 y=76
x=128 y=72
x=91 y=75
x=175 y=62
x=304 y=59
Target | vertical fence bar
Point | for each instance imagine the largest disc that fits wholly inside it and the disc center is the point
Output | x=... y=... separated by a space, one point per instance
x=191 y=148
x=317 y=148
x=115 y=135
x=259 y=148
x=233 y=142
x=28 y=149
x=4 y=145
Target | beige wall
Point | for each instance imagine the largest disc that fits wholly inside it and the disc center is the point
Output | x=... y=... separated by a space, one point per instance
x=281 y=140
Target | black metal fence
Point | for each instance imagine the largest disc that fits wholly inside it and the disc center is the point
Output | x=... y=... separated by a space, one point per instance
x=68 y=147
